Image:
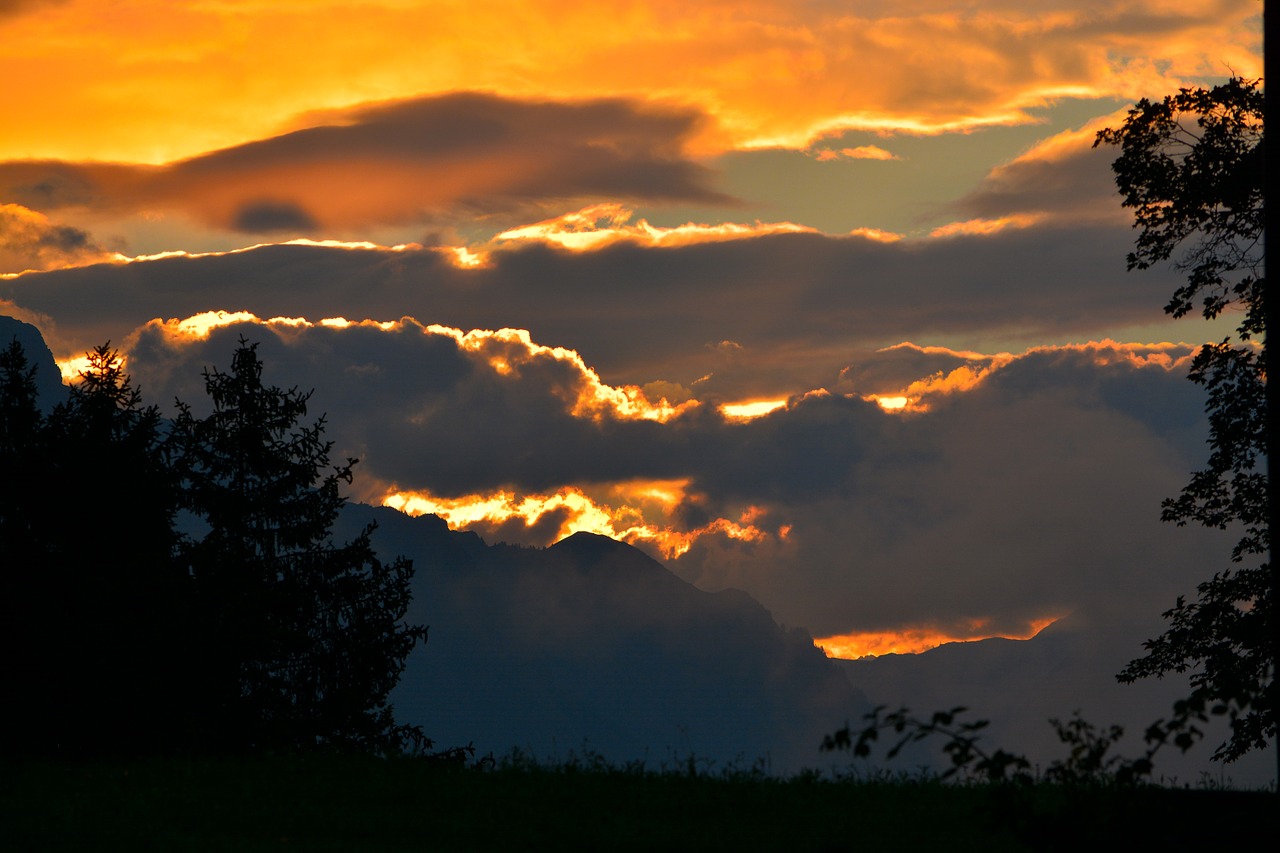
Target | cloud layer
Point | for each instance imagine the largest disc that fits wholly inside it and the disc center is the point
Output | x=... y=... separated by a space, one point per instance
x=29 y=240
x=174 y=81
x=409 y=161
x=1028 y=493
x=759 y=316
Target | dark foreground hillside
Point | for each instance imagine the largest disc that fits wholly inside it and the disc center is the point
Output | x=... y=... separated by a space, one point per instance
x=362 y=804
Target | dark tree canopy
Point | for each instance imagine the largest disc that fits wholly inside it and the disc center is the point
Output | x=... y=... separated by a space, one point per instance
x=1192 y=169
x=94 y=606
x=250 y=630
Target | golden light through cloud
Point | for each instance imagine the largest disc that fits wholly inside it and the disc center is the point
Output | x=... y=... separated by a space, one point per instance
x=891 y=404
x=914 y=640
x=171 y=80
x=603 y=224
x=465 y=258
x=752 y=409
x=457 y=255
x=624 y=513
x=505 y=351
x=981 y=227
x=508 y=349
x=919 y=395
x=876 y=234
x=640 y=269
x=72 y=367
x=862 y=152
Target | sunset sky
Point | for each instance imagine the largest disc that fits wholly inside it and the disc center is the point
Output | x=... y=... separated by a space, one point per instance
x=822 y=300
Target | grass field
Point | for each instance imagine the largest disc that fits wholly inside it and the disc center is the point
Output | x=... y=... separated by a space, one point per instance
x=366 y=804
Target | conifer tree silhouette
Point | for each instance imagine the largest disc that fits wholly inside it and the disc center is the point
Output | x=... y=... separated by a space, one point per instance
x=302 y=638
x=94 y=604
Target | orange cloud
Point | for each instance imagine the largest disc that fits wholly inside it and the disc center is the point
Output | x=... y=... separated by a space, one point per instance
x=876 y=234
x=982 y=227
x=395 y=163
x=153 y=81
x=29 y=241
x=604 y=224
x=862 y=152
x=916 y=639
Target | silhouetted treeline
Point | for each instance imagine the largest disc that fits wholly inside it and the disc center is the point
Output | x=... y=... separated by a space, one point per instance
x=172 y=585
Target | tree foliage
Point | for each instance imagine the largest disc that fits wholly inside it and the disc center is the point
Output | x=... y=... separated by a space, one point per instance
x=94 y=606
x=1090 y=759
x=305 y=635
x=1192 y=169
x=175 y=585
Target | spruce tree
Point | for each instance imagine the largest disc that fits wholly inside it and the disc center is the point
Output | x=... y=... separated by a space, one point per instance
x=302 y=638
x=94 y=604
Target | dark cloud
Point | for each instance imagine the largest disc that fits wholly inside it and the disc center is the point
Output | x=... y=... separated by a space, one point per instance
x=55 y=184
x=18 y=7
x=1071 y=179
x=1034 y=493
x=265 y=217
x=797 y=307
x=401 y=162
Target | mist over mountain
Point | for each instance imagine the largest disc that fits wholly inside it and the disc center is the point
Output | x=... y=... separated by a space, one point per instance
x=590 y=643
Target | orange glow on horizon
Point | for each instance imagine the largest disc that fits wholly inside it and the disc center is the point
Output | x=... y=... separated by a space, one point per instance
x=914 y=640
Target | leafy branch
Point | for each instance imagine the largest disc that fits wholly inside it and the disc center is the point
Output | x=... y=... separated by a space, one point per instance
x=1090 y=759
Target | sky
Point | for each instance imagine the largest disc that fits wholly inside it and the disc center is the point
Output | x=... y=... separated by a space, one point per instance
x=824 y=301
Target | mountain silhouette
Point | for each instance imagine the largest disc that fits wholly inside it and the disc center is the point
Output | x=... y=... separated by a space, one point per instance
x=592 y=644
x=48 y=377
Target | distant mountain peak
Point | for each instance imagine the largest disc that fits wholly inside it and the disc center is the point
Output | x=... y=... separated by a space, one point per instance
x=48 y=377
x=595 y=543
